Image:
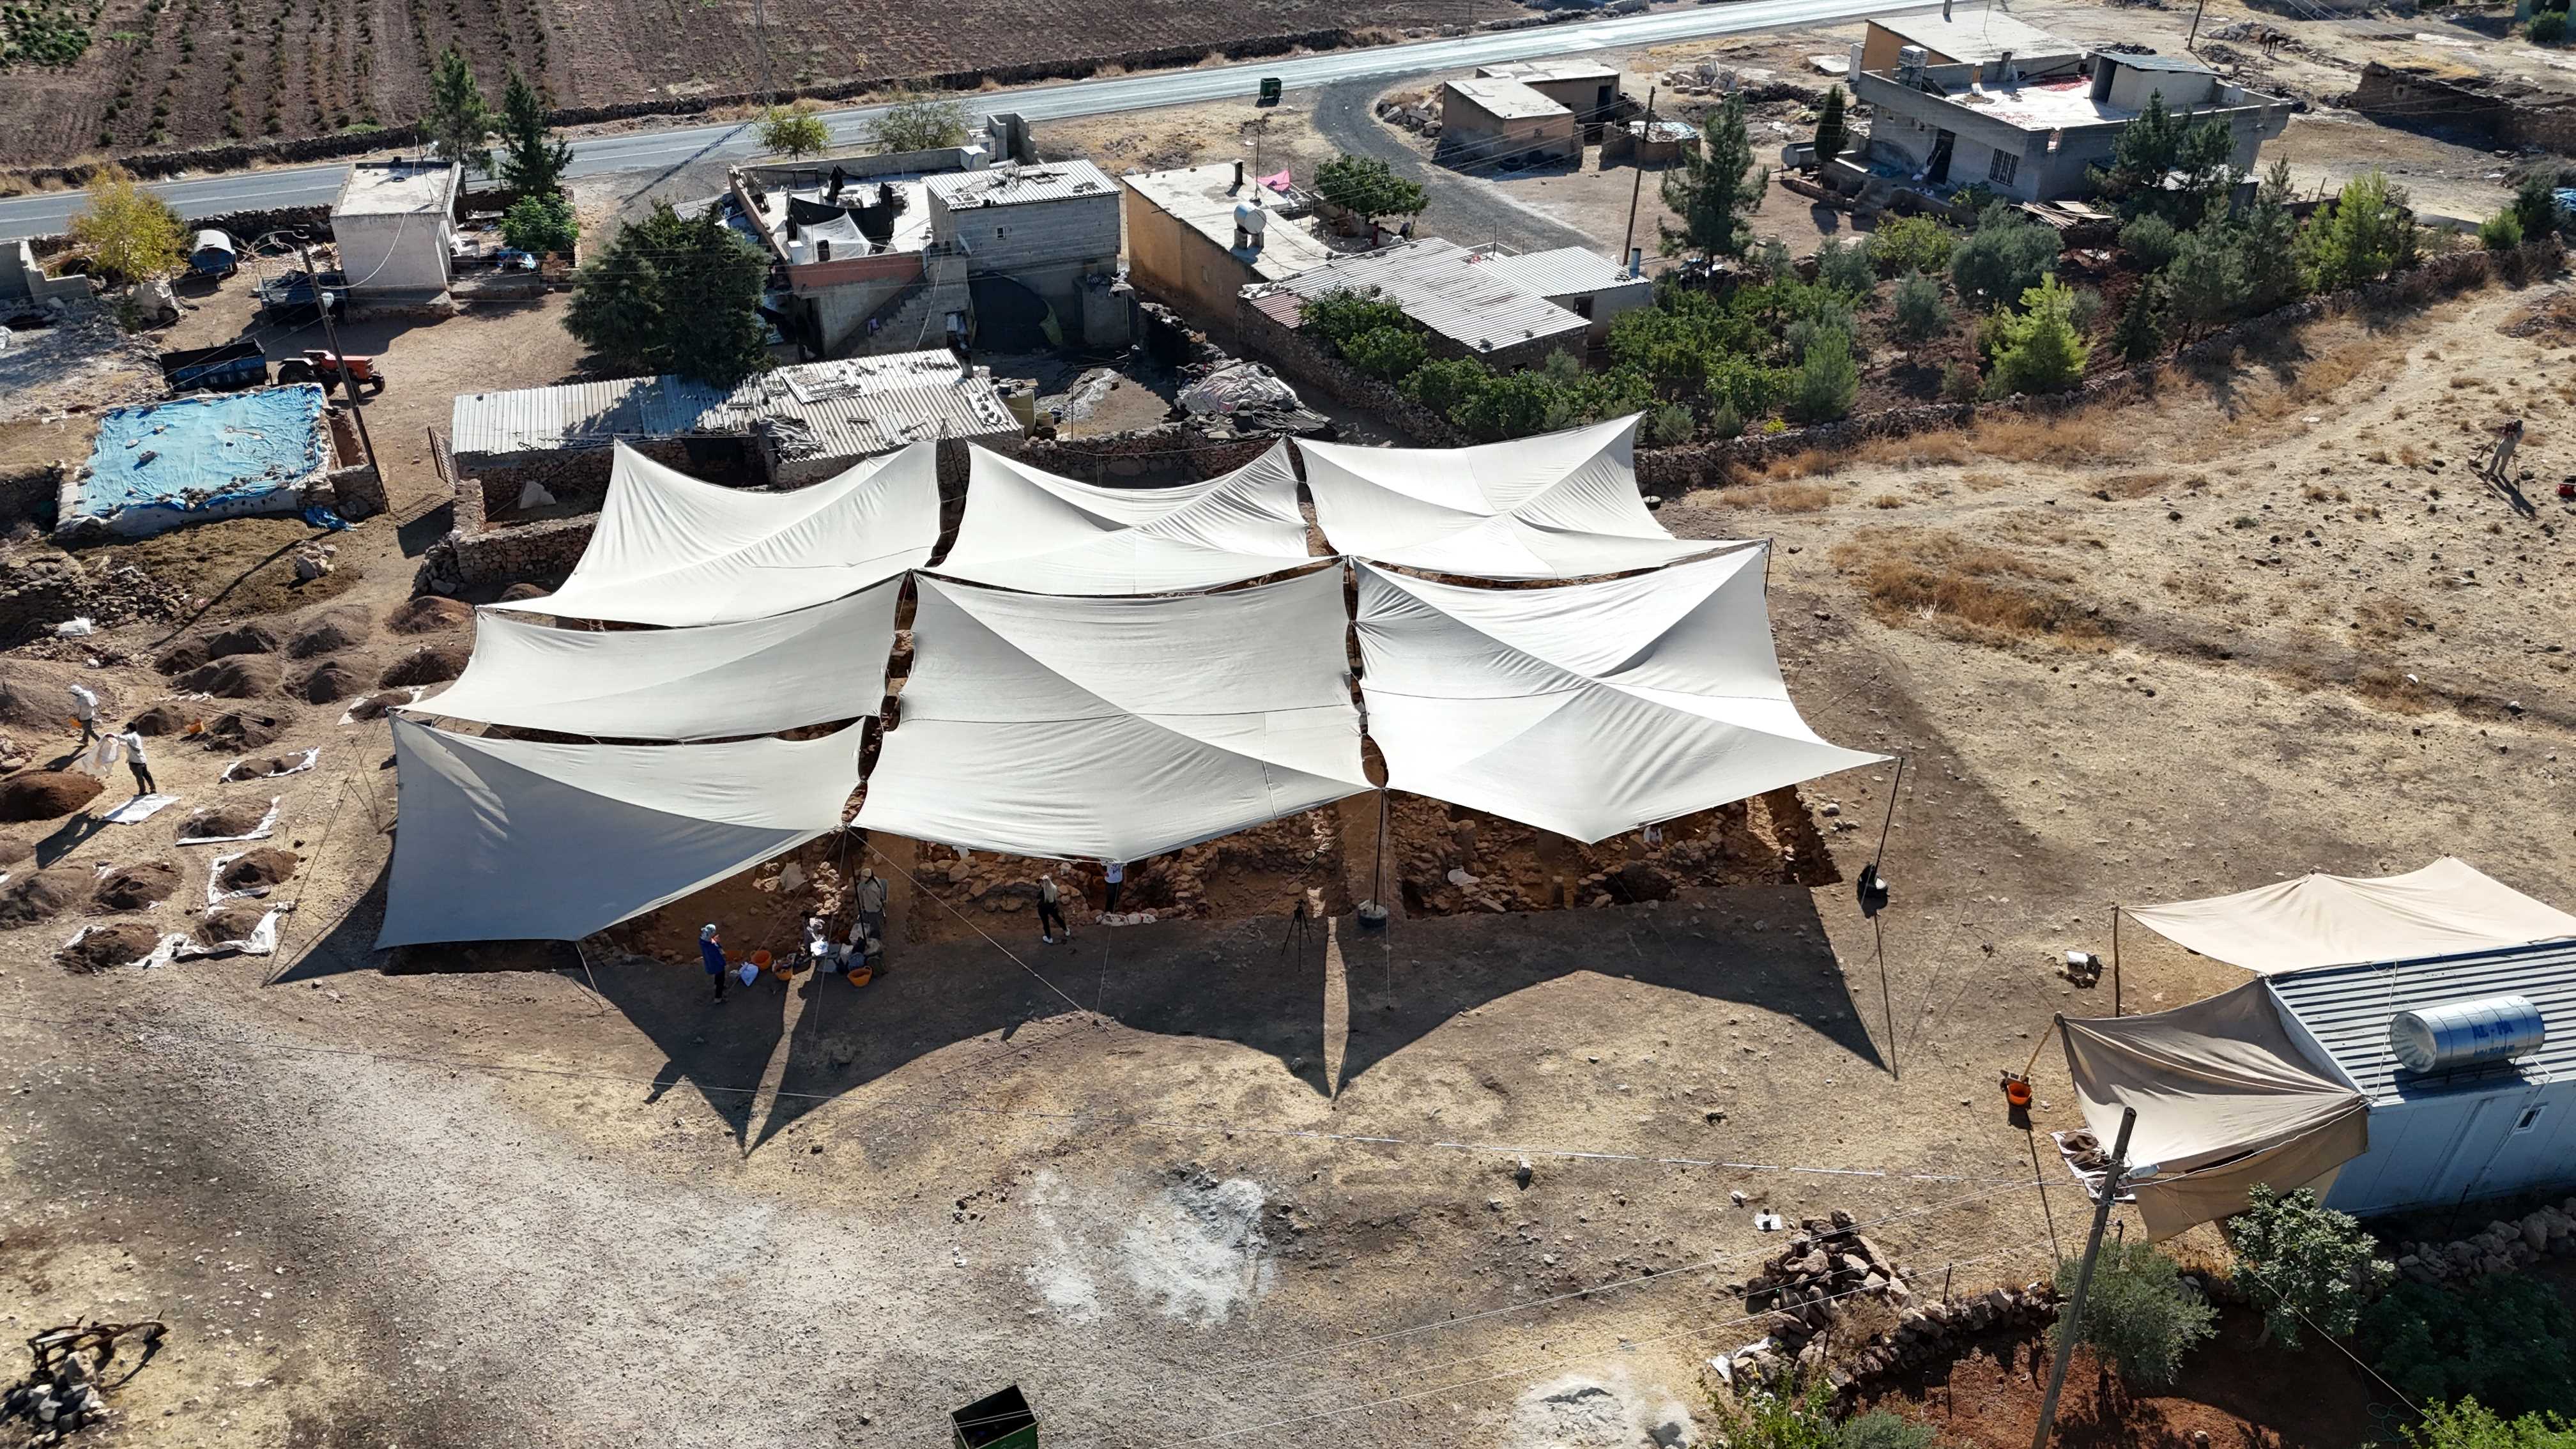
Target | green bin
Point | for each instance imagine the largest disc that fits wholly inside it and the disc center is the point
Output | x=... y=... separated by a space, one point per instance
x=996 y=1421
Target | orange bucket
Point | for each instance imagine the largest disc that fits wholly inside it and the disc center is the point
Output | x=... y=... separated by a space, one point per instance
x=2017 y=1091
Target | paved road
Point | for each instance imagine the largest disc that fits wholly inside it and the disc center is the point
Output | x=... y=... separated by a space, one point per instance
x=1463 y=209
x=656 y=150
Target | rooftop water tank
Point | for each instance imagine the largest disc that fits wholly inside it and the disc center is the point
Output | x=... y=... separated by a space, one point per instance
x=1250 y=217
x=2466 y=1033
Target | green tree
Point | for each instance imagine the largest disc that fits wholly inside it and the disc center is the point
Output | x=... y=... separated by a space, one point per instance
x=1368 y=187
x=2039 y=349
x=1348 y=312
x=2141 y=154
x=2469 y=1424
x=1830 y=131
x=1920 y=311
x=920 y=123
x=532 y=160
x=1794 y=1416
x=2310 y=1264
x=1847 y=266
x=1710 y=193
x=130 y=234
x=2535 y=205
x=2006 y=256
x=2510 y=1343
x=2206 y=279
x=2501 y=232
x=2138 y=1313
x=2368 y=234
x=1826 y=380
x=540 y=223
x=1389 y=354
x=1912 y=244
x=2268 y=245
x=1444 y=384
x=1515 y=405
x=2140 y=332
x=1670 y=424
x=796 y=130
x=2548 y=27
x=675 y=294
x=458 y=117
x=2150 y=241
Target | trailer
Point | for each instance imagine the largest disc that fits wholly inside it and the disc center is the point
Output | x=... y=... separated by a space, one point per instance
x=235 y=365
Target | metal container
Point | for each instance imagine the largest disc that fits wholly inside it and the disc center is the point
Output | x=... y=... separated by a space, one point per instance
x=996 y=1421
x=2466 y=1033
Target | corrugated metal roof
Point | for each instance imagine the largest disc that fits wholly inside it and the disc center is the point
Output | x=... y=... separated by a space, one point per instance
x=1018 y=185
x=2347 y=1008
x=851 y=407
x=1445 y=288
x=1508 y=100
x=1564 y=272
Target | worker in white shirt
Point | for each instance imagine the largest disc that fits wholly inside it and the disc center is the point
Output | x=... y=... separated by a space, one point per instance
x=872 y=903
x=1051 y=911
x=85 y=711
x=1116 y=873
x=133 y=743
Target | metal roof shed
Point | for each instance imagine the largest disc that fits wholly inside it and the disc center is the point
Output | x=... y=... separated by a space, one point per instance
x=2444 y=1137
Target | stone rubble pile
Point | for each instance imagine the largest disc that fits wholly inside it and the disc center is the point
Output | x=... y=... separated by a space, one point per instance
x=60 y=1396
x=2501 y=1247
x=1421 y=117
x=1810 y=1288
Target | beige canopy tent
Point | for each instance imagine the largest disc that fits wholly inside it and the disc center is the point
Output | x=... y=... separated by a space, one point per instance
x=2226 y=1100
x=2445 y=909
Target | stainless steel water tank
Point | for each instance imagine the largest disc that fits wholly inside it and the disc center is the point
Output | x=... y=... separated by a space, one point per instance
x=2466 y=1033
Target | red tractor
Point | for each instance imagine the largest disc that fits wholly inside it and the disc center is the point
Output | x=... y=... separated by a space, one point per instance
x=319 y=364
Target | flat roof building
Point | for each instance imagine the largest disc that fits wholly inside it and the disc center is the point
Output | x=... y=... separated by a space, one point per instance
x=1960 y=37
x=1504 y=123
x=1589 y=89
x=1198 y=235
x=395 y=227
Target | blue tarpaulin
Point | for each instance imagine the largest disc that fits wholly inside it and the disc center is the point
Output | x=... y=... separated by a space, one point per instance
x=164 y=464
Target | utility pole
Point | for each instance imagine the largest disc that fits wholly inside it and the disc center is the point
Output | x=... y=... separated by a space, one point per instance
x=760 y=35
x=2194 y=37
x=2074 y=1320
x=331 y=335
x=1636 y=186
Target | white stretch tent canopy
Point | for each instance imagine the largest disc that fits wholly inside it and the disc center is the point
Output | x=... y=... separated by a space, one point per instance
x=2445 y=909
x=2226 y=1102
x=1588 y=709
x=1560 y=506
x=514 y=840
x=1029 y=529
x=1115 y=728
x=672 y=550
x=710 y=682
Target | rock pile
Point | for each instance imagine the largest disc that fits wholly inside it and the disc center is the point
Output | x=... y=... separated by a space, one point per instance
x=2502 y=1247
x=1420 y=117
x=1811 y=1286
x=60 y=1396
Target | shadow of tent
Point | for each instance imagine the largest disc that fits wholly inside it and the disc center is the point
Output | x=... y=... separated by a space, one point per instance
x=721 y=1050
x=1229 y=981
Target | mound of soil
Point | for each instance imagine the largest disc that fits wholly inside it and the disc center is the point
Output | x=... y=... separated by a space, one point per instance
x=521 y=593
x=46 y=794
x=44 y=895
x=375 y=706
x=133 y=887
x=339 y=627
x=267 y=866
x=39 y=697
x=245 y=729
x=241 y=817
x=13 y=851
x=241 y=639
x=326 y=683
x=430 y=614
x=264 y=766
x=228 y=923
x=108 y=947
x=428 y=664
x=242 y=676
x=160 y=719
x=179 y=658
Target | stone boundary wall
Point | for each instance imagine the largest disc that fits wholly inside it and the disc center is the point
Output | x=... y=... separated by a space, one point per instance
x=1304 y=362
x=1164 y=448
x=30 y=495
x=2500 y=1247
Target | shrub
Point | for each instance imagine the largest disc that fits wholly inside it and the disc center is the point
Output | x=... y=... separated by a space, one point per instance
x=1912 y=244
x=2005 y=258
x=1802 y=335
x=2150 y=241
x=1920 y=310
x=2513 y=1345
x=1744 y=384
x=793 y=131
x=540 y=224
x=1846 y=266
x=2535 y=205
x=921 y=123
x=1791 y=1417
x=2501 y=232
x=1670 y=424
x=1367 y=186
x=1346 y=313
x=1959 y=383
x=2469 y=1424
x=1389 y=354
x=1726 y=422
x=2313 y=1265
x=1514 y=405
x=131 y=235
x=1879 y=1429
x=2139 y=1314
x=2039 y=350
x=2141 y=331
x=1443 y=383
x=1826 y=381
x=2085 y=311
x=2549 y=27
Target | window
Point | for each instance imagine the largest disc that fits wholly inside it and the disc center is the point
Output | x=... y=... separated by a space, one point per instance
x=2529 y=1119
x=2001 y=169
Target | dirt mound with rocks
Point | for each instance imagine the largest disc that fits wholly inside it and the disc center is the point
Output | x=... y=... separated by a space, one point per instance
x=44 y=895
x=241 y=639
x=245 y=729
x=13 y=851
x=228 y=923
x=428 y=664
x=326 y=683
x=430 y=614
x=46 y=794
x=242 y=676
x=267 y=866
x=377 y=706
x=133 y=887
x=183 y=656
x=161 y=719
x=217 y=822
x=41 y=698
x=103 y=948
x=262 y=767
x=342 y=626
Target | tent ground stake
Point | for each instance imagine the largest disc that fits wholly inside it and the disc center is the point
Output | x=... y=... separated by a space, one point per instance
x=2042 y=1179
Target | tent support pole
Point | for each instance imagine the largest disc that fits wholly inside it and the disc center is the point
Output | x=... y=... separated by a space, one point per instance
x=1377 y=873
x=2115 y=959
x=2102 y=1201
x=1886 y=997
x=2042 y=1179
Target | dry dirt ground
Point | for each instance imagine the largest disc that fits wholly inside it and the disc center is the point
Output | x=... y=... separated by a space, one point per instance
x=1205 y=1178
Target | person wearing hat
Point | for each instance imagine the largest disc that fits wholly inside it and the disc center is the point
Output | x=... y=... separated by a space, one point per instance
x=1051 y=911
x=711 y=951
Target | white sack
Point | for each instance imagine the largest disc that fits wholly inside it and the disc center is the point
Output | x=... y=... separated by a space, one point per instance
x=1563 y=505
x=1588 y=709
x=1029 y=529
x=517 y=840
x=714 y=681
x=1117 y=728
x=2445 y=909
x=672 y=550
